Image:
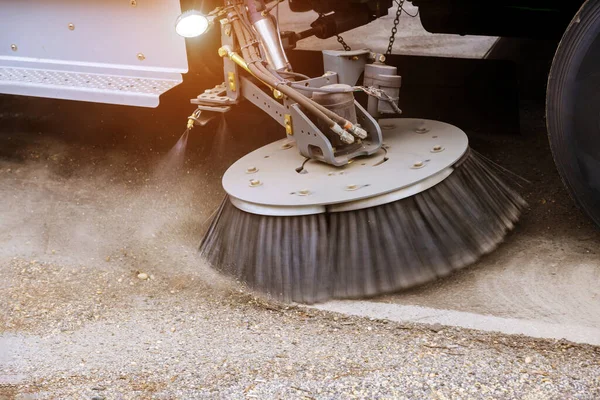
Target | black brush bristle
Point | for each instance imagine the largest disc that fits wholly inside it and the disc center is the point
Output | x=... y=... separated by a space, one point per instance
x=367 y=252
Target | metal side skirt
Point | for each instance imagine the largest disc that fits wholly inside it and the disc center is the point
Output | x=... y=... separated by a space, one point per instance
x=275 y=211
x=399 y=194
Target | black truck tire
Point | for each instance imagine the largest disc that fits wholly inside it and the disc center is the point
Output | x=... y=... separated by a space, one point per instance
x=573 y=108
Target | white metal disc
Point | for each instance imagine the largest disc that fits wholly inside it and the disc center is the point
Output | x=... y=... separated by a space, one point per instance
x=276 y=180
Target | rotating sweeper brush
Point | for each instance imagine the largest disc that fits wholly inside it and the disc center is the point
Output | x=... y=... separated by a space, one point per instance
x=346 y=205
x=421 y=208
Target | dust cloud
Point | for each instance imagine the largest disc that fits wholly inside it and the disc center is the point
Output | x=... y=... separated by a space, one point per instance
x=102 y=207
x=112 y=212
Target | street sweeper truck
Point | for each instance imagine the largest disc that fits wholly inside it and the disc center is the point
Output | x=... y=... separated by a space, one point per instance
x=347 y=204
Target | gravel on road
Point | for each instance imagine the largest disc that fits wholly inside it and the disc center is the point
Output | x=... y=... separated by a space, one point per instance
x=121 y=337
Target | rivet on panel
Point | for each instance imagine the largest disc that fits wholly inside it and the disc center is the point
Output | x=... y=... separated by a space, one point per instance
x=421 y=130
x=133 y=3
x=286 y=146
x=351 y=187
x=437 y=149
x=251 y=170
x=141 y=56
x=255 y=183
x=71 y=27
x=418 y=164
x=14 y=47
x=303 y=192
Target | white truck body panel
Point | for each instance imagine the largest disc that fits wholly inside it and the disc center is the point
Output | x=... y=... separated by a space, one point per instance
x=110 y=51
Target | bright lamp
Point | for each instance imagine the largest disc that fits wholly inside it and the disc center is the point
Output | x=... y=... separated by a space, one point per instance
x=191 y=24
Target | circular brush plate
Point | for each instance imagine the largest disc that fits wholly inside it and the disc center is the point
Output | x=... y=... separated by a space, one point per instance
x=276 y=180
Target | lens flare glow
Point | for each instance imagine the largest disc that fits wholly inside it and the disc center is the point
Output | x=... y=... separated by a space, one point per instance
x=191 y=24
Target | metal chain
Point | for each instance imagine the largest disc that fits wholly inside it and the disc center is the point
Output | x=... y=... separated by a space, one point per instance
x=340 y=39
x=343 y=43
x=395 y=28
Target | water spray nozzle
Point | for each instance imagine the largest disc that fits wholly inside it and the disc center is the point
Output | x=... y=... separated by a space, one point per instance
x=192 y=119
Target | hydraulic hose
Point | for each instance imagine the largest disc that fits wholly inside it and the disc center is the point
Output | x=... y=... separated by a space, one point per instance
x=249 y=52
x=321 y=89
x=334 y=121
x=283 y=84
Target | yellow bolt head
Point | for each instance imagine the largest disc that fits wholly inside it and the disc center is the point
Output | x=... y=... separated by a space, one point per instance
x=223 y=52
x=289 y=128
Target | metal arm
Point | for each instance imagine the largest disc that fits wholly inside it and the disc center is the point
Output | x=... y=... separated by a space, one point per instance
x=320 y=131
